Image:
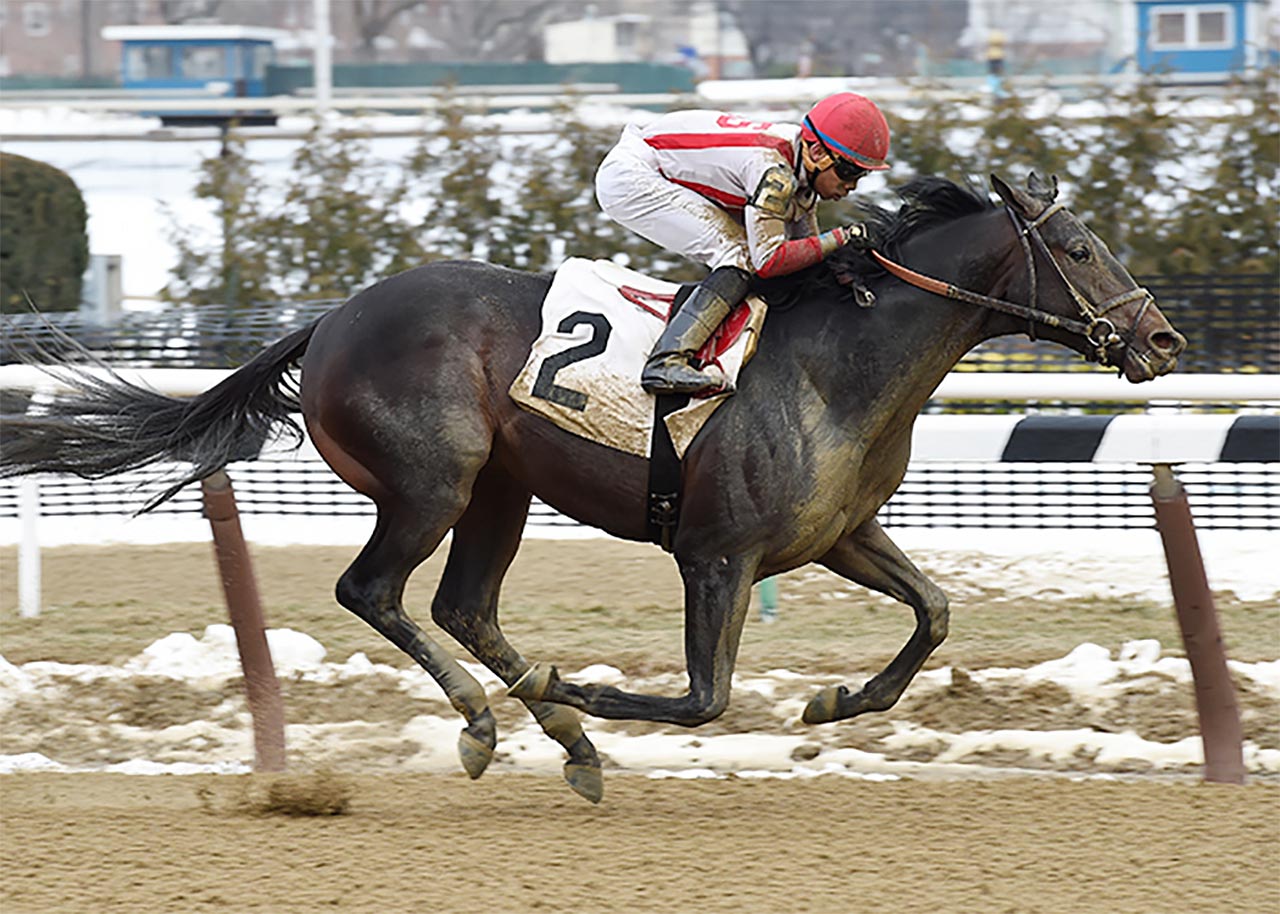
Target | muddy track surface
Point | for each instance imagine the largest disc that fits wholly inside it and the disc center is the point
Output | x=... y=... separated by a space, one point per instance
x=412 y=843
x=1142 y=841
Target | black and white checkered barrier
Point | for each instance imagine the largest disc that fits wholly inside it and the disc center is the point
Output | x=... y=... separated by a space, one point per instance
x=1150 y=438
x=967 y=471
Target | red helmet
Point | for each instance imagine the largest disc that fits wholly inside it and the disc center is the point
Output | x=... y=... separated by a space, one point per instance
x=851 y=127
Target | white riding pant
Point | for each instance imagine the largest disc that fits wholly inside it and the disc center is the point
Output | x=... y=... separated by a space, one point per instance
x=632 y=191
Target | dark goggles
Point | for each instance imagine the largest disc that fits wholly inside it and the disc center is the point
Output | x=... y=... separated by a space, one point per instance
x=845 y=170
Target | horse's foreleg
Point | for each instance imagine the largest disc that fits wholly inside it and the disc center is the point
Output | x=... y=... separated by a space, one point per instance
x=717 y=594
x=868 y=557
x=485 y=541
x=372 y=589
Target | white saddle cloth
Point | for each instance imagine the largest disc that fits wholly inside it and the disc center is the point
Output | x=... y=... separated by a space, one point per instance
x=599 y=324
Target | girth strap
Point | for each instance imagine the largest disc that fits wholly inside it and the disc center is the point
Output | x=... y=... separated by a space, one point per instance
x=662 y=508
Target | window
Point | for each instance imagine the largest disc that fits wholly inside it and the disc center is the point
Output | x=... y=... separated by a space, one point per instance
x=143 y=62
x=261 y=59
x=1211 y=27
x=1199 y=28
x=624 y=35
x=35 y=19
x=1171 y=29
x=202 y=62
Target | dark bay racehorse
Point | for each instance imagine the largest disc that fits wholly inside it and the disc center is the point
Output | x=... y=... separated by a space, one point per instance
x=404 y=393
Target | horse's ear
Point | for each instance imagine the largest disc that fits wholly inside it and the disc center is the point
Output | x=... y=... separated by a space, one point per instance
x=1042 y=191
x=1015 y=197
x=1027 y=204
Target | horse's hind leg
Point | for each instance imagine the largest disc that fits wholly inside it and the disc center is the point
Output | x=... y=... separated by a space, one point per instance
x=868 y=557
x=717 y=593
x=485 y=541
x=373 y=587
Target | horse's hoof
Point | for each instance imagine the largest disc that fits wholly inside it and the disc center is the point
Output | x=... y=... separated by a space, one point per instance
x=823 y=707
x=533 y=685
x=475 y=744
x=587 y=781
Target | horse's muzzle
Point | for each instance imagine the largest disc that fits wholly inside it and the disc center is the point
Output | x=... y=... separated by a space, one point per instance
x=1156 y=355
x=1151 y=345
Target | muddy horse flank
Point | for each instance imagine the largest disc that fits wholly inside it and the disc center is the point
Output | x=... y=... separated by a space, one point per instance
x=404 y=391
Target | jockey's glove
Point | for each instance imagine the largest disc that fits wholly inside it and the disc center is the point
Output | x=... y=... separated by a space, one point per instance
x=855 y=235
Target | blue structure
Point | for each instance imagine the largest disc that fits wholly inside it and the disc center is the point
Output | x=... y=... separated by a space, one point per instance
x=1200 y=38
x=209 y=60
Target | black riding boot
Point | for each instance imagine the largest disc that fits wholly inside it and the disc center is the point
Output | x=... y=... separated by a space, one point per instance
x=670 y=367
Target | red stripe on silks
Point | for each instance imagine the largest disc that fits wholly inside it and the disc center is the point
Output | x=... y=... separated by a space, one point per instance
x=648 y=301
x=715 y=140
x=792 y=256
x=725 y=199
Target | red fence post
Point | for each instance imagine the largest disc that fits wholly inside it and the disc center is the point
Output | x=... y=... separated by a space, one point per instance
x=241 y=592
x=1201 y=636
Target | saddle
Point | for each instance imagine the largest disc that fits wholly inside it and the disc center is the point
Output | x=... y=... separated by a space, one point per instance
x=599 y=323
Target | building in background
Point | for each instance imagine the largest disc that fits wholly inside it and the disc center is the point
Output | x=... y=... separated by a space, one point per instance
x=1039 y=37
x=203 y=59
x=62 y=39
x=700 y=36
x=59 y=41
x=1190 y=39
x=1201 y=40
x=624 y=38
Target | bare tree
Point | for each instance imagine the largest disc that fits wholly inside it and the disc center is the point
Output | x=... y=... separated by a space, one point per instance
x=373 y=18
x=871 y=37
x=470 y=29
x=498 y=29
x=175 y=12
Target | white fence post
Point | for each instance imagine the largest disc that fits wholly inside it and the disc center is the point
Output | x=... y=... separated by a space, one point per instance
x=322 y=57
x=29 y=548
x=29 y=524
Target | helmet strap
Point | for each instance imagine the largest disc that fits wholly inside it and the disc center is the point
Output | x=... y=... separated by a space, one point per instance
x=811 y=154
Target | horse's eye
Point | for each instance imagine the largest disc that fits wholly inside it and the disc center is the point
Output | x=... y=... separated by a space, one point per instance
x=1079 y=254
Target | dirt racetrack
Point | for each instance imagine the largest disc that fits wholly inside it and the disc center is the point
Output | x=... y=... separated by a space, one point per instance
x=511 y=843
x=412 y=841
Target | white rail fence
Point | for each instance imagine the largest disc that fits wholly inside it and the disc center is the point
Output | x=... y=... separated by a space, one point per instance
x=792 y=93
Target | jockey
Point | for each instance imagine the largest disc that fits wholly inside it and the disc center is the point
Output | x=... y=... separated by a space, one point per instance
x=741 y=197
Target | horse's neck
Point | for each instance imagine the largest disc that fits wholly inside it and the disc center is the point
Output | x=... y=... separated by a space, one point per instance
x=925 y=334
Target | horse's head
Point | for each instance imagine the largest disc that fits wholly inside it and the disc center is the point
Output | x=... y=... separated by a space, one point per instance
x=1074 y=275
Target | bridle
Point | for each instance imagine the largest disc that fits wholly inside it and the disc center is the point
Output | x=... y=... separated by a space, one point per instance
x=1099 y=330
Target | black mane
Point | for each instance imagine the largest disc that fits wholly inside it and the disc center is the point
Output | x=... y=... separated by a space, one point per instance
x=927 y=202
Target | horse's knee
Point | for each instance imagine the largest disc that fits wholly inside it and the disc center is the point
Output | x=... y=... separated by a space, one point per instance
x=365 y=600
x=460 y=622
x=443 y=615
x=350 y=595
x=937 y=611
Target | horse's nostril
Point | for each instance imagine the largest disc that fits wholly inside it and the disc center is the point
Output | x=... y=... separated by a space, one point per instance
x=1168 y=341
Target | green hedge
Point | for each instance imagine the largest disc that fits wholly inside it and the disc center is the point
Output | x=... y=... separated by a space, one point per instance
x=43 y=245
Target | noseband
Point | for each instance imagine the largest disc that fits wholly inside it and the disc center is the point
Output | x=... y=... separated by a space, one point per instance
x=1096 y=327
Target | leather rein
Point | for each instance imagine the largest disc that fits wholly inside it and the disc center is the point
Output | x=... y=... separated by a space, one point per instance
x=1095 y=327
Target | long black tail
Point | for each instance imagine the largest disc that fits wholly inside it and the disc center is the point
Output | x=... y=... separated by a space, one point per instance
x=110 y=425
